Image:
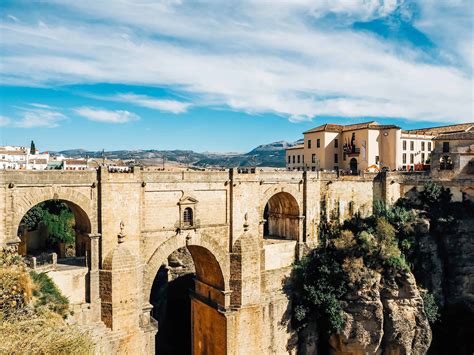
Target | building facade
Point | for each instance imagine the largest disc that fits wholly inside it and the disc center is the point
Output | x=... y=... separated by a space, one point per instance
x=367 y=147
x=21 y=158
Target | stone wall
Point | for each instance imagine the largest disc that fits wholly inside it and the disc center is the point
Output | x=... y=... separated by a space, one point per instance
x=240 y=276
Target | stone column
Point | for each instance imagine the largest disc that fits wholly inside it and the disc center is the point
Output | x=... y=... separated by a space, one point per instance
x=94 y=294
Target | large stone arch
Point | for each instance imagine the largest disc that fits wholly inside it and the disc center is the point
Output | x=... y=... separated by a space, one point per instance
x=159 y=257
x=80 y=204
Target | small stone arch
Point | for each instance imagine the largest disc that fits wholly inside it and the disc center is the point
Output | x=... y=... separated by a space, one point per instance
x=281 y=215
x=218 y=264
x=292 y=190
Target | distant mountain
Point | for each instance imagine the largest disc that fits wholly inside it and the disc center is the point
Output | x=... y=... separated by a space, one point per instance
x=266 y=155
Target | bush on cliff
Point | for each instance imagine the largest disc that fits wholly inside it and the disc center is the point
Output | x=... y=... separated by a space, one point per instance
x=348 y=258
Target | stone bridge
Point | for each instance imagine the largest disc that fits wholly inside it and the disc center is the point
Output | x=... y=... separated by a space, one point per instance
x=243 y=232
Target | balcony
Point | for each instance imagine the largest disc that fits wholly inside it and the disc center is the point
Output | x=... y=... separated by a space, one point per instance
x=351 y=151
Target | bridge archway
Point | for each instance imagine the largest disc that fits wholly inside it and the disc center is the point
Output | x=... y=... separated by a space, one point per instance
x=188 y=297
x=281 y=217
x=81 y=205
x=33 y=236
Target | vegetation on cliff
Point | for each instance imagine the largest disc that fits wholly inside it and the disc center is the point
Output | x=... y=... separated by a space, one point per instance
x=365 y=259
x=33 y=311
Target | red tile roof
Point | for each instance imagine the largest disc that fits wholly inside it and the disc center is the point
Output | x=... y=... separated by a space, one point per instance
x=329 y=127
x=462 y=127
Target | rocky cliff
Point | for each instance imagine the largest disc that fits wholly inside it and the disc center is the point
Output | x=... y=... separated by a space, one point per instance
x=387 y=318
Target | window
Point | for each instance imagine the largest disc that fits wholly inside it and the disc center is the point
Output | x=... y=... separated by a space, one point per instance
x=309 y=143
x=412 y=145
x=336 y=143
x=404 y=145
x=299 y=159
x=422 y=158
x=422 y=145
x=302 y=158
x=445 y=163
x=377 y=159
x=289 y=159
x=294 y=159
x=188 y=216
x=313 y=158
x=412 y=158
x=336 y=159
x=404 y=158
x=445 y=147
x=318 y=143
x=429 y=146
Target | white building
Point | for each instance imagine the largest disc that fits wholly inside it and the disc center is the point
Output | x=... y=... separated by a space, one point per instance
x=13 y=157
x=74 y=164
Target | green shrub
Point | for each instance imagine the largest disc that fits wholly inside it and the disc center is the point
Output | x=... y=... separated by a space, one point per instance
x=430 y=306
x=320 y=285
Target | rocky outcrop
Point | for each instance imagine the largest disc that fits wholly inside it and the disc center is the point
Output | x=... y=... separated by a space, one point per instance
x=386 y=317
x=406 y=327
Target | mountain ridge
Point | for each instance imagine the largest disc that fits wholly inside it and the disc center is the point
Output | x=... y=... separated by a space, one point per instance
x=264 y=155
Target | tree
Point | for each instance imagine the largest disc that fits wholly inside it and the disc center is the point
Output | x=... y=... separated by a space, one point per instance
x=33 y=217
x=32 y=148
x=435 y=200
x=60 y=226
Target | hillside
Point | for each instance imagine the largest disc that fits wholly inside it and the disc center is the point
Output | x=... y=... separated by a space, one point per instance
x=266 y=155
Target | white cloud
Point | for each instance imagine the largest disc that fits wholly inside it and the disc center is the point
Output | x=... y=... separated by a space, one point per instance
x=358 y=9
x=261 y=57
x=101 y=115
x=34 y=104
x=5 y=121
x=13 y=18
x=40 y=118
x=165 y=105
x=36 y=115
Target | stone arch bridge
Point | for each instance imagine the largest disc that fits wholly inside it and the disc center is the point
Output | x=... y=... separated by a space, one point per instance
x=243 y=231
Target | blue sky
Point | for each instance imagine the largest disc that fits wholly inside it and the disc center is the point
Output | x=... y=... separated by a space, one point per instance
x=227 y=76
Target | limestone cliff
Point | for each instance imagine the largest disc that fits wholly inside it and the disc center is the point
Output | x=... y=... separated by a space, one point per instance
x=386 y=318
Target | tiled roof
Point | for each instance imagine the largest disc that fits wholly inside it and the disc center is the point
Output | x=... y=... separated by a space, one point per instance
x=75 y=162
x=456 y=136
x=39 y=161
x=329 y=127
x=12 y=152
x=300 y=146
x=463 y=127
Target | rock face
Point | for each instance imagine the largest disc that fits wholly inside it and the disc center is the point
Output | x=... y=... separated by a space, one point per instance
x=406 y=327
x=386 y=318
x=444 y=264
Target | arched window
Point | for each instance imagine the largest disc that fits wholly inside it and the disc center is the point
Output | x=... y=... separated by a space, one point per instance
x=188 y=216
x=446 y=163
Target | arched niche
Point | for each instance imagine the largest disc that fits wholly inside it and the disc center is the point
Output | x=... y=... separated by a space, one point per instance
x=281 y=217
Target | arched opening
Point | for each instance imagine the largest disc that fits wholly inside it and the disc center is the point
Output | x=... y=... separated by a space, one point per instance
x=281 y=217
x=188 y=217
x=55 y=230
x=187 y=294
x=353 y=165
x=445 y=163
